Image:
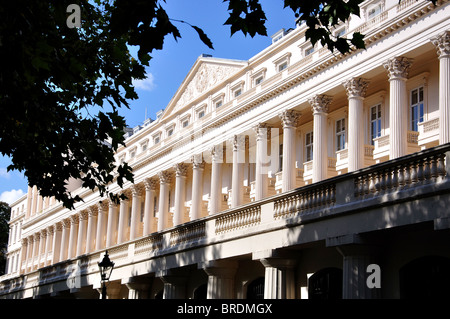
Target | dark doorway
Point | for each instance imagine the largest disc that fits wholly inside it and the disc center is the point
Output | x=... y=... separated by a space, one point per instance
x=425 y=278
x=255 y=289
x=326 y=284
x=201 y=292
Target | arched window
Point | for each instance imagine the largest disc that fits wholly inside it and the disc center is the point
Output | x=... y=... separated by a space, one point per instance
x=425 y=278
x=255 y=289
x=325 y=284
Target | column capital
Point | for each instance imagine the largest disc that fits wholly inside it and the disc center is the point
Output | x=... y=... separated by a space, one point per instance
x=74 y=219
x=136 y=190
x=356 y=87
x=58 y=227
x=262 y=131
x=289 y=118
x=180 y=169
x=442 y=44
x=398 y=67
x=83 y=215
x=238 y=141
x=66 y=223
x=103 y=206
x=165 y=177
x=320 y=103
x=217 y=153
x=43 y=233
x=198 y=162
x=150 y=183
x=92 y=211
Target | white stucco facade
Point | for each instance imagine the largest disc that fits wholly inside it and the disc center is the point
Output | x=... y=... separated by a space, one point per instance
x=261 y=176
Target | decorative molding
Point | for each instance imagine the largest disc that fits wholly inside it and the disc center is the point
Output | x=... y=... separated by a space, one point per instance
x=198 y=161
x=150 y=183
x=180 y=169
x=442 y=44
x=398 y=67
x=356 y=87
x=289 y=118
x=206 y=77
x=165 y=177
x=320 y=103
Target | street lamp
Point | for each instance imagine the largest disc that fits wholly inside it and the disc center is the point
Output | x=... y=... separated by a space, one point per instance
x=106 y=267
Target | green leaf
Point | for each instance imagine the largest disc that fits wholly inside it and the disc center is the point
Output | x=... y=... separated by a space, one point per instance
x=203 y=37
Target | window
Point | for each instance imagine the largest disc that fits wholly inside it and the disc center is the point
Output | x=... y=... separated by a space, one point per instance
x=309 y=146
x=185 y=123
x=201 y=114
x=340 y=134
x=375 y=122
x=282 y=62
x=169 y=132
x=374 y=10
x=156 y=140
x=133 y=153
x=259 y=80
x=309 y=51
x=219 y=104
x=144 y=146
x=416 y=108
x=258 y=76
x=282 y=66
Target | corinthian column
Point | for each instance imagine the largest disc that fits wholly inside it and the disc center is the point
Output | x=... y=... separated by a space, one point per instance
x=165 y=178
x=112 y=224
x=216 y=179
x=237 y=179
x=180 y=193
x=83 y=216
x=73 y=236
x=289 y=120
x=198 y=165
x=101 y=225
x=136 y=191
x=262 y=160
x=398 y=69
x=123 y=219
x=92 y=226
x=442 y=43
x=319 y=105
x=356 y=91
x=150 y=190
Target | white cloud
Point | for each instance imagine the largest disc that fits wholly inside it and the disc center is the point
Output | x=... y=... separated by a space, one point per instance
x=147 y=84
x=11 y=196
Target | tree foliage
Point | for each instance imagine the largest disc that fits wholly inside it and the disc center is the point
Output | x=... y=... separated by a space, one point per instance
x=61 y=88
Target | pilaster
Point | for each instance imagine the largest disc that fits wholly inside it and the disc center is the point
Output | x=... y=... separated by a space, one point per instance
x=220 y=278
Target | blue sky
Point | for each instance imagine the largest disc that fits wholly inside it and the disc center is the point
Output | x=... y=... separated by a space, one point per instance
x=169 y=67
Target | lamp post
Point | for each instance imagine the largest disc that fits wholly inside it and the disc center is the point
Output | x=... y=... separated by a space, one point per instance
x=106 y=267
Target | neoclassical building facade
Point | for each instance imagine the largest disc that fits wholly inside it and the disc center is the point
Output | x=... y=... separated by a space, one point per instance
x=300 y=173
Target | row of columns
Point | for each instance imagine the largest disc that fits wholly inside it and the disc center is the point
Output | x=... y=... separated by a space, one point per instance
x=98 y=224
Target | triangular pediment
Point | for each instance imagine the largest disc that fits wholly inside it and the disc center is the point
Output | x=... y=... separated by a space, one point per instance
x=206 y=73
